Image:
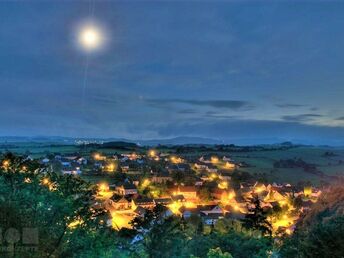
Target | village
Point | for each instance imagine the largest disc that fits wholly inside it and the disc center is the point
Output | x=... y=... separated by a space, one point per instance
x=130 y=184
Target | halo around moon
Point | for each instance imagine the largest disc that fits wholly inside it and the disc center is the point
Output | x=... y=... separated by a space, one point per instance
x=91 y=37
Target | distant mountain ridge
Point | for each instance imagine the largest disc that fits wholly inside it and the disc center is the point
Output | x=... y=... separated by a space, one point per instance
x=181 y=140
x=72 y=140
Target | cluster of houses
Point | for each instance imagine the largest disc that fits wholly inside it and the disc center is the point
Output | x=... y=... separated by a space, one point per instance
x=70 y=165
x=125 y=201
x=226 y=203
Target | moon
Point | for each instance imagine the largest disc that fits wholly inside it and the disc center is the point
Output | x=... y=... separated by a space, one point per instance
x=91 y=37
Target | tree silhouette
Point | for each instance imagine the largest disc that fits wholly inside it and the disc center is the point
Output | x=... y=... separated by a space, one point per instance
x=256 y=218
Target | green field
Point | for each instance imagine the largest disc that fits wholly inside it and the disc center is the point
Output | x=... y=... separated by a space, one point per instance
x=262 y=162
x=258 y=161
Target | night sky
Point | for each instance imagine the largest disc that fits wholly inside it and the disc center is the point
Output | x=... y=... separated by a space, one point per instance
x=239 y=72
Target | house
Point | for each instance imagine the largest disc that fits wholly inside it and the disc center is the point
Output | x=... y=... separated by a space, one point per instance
x=273 y=196
x=124 y=159
x=178 y=198
x=306 y=205
x=82 y=161
x=163 y=201
x=178 y=167
x=65 y=162
x=126 y=189
x=230 y=165
x=224 y=158
x=235 y=214
x=188 y=212
x=211 y=169
x=183 y=167
x=72 y=171
x=206 y=159
x=119 y=203
x=189 y=192
x=140 y=161
x=112 y=187
x=210 y=209
x=200 y=165
x=220 y=194
x=211 y=218
x=139 y=211
x=143 y=202
x=161 y=179
x=260 y=187
x=199 y=183
x=125 y=168
x=45 y=161
x=225 y=176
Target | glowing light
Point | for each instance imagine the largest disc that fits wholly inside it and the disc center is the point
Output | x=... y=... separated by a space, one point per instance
x=190 y=204
x=229 y=165
x=176 y=160
x=258 y=189
x=103 y=187
x=152 y=153
x=120 y=220
x=307 y=191
x=45 y=181
x=223 y=185
x=145 y=183
x=111 y=167
x=6 y=163
x=27 y=180
x=133 y=156
x=213 y=176
x=50 y=185
x=97 y=156
x=282 y=202
x=75 y=223
x=174 y=207
x=214 y=160
x=91 y=37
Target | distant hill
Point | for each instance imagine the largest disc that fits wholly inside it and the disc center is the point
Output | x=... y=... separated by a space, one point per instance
x=180 y=141
x=120 y=144
x=71 y=140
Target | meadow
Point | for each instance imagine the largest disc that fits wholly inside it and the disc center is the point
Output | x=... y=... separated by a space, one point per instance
x=259 y=162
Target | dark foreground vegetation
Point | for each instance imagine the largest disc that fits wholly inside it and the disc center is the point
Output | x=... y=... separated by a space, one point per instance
x=45 y=214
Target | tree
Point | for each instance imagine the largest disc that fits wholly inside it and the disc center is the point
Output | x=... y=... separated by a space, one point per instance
x=321 y=232
x=256 y=218
x=59 y=207
x=217 y=253
x=178 y=176
x=204 y=194
x=166 y=239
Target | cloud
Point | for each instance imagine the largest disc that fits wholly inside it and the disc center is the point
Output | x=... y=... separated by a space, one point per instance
x=301 y=117
x=246 y=131
x=289 y=105
x=213 y=114
x=340 y=118
x=187 y=111
x=223 y=104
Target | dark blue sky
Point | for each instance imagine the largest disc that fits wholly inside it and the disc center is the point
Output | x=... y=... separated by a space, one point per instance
x=253 y=72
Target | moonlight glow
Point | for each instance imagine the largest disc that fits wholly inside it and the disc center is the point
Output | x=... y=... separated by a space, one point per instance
x=90 y=37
